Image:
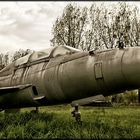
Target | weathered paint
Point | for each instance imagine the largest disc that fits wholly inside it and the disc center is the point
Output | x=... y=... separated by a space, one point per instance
x=64 y=75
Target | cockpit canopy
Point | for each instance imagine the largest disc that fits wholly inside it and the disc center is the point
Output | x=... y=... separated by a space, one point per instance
x=53 y=52
x=47 y=53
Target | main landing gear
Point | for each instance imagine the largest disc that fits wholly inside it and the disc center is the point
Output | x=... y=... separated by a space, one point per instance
x=75 y=113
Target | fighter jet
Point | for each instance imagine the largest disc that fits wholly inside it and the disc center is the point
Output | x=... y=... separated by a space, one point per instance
x=62 y=74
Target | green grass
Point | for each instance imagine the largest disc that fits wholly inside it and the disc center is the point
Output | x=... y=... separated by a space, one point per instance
x=57 y=122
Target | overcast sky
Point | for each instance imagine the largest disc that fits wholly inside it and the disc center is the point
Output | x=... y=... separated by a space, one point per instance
x=27 y=25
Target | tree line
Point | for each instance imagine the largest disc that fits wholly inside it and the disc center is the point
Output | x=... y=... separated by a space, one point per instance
x=97 y=27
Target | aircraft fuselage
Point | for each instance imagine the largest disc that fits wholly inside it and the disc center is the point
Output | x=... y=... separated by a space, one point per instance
x=68 y=77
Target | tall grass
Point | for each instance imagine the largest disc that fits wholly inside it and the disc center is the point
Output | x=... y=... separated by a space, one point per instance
x=56 y=122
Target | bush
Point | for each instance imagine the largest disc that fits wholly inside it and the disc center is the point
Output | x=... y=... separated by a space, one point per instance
x=126 y=98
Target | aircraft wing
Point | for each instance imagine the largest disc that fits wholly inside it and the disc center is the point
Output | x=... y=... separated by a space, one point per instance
x=21 y=96
x=5 y=90
x=97 y=98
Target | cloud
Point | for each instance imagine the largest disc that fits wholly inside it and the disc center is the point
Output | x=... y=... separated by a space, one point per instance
x=29 y=21
x=23 y=26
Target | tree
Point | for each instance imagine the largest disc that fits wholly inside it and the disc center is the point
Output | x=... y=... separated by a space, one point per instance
x=69 y=29
x=97 y=27
x=125 y=24
x=4 y=60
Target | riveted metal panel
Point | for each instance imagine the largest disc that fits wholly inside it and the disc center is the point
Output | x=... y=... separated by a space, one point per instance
x=98 y=70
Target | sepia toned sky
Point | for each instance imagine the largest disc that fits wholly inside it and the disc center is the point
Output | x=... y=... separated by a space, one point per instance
x=27 y=25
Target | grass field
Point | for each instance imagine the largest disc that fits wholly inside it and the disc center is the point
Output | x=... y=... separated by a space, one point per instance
x=57 y=122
